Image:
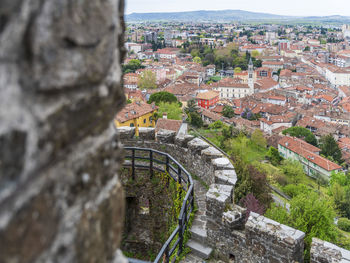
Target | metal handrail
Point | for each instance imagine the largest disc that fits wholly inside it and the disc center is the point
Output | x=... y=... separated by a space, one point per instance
x=182 y=176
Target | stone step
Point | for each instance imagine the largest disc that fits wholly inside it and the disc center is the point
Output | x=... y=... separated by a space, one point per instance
x=191 y=258
x=199 y=234
x=199 y=249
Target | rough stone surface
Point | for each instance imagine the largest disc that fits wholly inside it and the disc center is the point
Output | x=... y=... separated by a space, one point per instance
x=211 y=153
x=60 y=85
x=228 y=177
x=146 y=133
x=325 y=252
x=197 y=145
x=182 y=140
x=126 y=132
x=222 y=164
x=235 y=219
x=165 y=136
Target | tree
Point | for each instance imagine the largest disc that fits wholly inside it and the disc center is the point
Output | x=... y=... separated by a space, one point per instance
x=228 y=112
x=293 y=170
x=133 y=65
x=309 y=213
x=216 y=125
x=173 y=110
x=195 y=119
x=339 y=189
x=197 y=60
x=258 y=138
x=195 y=53
x=192 y=106
x=274 y=156
x=255 y=53
x=301 y=132
x=251 y=180
x=237 y=70
x=330 y=148
x=307 y=48
x=252 y=204
x=162 y=96
x=147 y=80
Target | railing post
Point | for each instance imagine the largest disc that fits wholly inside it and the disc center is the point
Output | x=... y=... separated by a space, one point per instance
x=179 y=180
x=166 y=255
x=151 y=163
x=167 y=169
x=192 y=201
x=133 y=164
x=181 y=230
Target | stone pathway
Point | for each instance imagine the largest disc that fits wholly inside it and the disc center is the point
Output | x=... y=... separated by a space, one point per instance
x=200 y=251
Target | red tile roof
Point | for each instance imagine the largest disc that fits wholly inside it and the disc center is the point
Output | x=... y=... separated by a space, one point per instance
x=209 y=95
x=135 y=110
x=166 y=124
x=308 y=151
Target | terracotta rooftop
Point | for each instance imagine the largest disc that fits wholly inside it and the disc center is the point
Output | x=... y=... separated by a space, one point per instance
x=209 y=95
x=308 y=151
x=166 y=124
x=135 y=110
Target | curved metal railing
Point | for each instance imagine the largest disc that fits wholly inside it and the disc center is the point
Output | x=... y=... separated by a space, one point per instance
x=155 y=160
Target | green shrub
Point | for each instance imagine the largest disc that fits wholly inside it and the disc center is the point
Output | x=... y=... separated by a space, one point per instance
x=281 y=180
x=344 y=224
x=293 y=190
x=216 y=125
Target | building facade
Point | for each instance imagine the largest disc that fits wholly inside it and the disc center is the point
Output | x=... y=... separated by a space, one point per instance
x=313 y=164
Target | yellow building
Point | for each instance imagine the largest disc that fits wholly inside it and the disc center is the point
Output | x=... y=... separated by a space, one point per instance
x=136 y=114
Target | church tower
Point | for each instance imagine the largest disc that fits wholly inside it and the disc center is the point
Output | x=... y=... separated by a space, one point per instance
x=251 y=76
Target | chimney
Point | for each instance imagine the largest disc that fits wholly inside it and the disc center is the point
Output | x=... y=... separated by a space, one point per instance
x=165 y=115
x=126 y=115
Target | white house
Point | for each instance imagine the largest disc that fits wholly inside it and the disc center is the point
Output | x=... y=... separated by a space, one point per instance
x=230 y=88
x=308 y=155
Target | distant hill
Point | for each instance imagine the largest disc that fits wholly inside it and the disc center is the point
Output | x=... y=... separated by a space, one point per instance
x=223 y=16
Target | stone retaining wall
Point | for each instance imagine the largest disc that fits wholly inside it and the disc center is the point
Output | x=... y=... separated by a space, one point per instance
x=233 y=237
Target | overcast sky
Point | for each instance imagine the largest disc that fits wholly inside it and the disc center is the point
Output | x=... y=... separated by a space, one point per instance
x=279 y=7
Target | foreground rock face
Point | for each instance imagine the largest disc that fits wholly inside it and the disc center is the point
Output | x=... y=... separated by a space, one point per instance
x=60 y=75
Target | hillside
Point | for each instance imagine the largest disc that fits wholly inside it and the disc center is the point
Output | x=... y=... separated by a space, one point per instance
x=225 y=16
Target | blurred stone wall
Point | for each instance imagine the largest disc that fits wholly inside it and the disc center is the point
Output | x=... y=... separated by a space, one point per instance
x=60 y=87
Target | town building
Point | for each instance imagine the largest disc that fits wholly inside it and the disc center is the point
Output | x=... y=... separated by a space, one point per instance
x=232 y=88
x=207 y=99
x=137 y=114
x=313 y=164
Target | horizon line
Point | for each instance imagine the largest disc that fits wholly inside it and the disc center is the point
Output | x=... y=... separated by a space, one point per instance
x=262 y=12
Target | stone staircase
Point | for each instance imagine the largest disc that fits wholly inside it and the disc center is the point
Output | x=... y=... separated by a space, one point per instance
x=224 y=182
x=197 y=243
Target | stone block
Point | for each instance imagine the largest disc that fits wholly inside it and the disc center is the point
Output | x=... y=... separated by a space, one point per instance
x=218 y=198
x=165 y=136
x=287 y=242
x=228 y=177
x=182 y=140
x=197 y=145
x=235 y=218
x=211 y=153
x=147 y=134
x=222 y=164
x=325 y=252
x=126 y=133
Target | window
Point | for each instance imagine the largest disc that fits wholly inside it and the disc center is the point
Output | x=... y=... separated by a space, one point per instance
x=131 y=125
x=144 y=120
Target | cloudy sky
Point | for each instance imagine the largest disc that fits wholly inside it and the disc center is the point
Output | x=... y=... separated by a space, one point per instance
x=279 y=7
